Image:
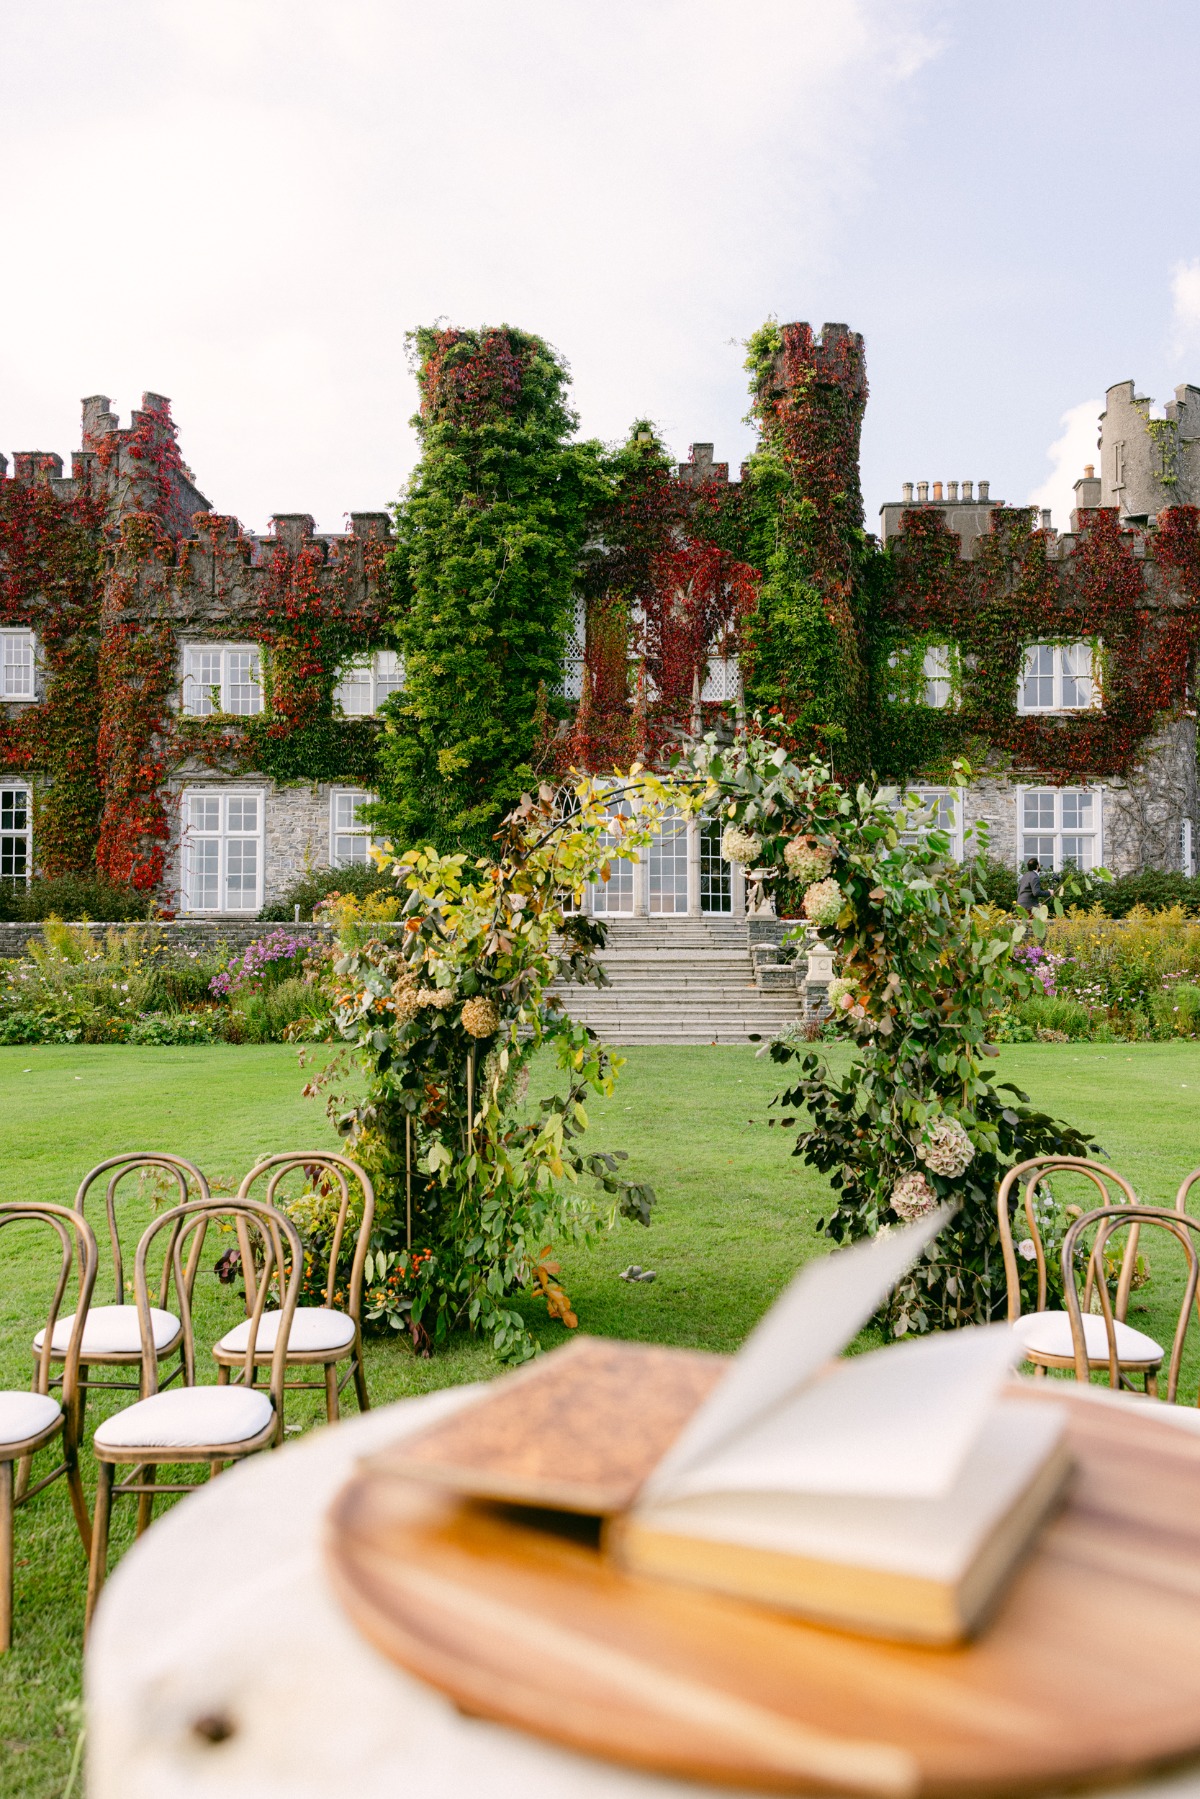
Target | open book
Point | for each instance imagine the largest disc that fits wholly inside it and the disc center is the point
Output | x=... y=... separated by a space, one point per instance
x=891 y=1492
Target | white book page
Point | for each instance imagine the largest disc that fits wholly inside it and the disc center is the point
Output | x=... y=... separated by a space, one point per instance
x=813 y=1319
x=896 y=1423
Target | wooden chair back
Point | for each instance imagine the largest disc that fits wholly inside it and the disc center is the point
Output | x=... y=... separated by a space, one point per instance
x=1033 y=1173
x=137 y=1161
x=271 y=1243
x=1185 y=1188
x=1108 y=1220
x=327 y=1163
x=77 y=1242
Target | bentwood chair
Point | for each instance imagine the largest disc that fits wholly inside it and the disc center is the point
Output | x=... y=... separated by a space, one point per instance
x=1108 y=1221
x=191 y=1424
x=30 y=1419
x=111 y=1336
x=321 y=1336
x=1185 y=1189
x=1046 y=1336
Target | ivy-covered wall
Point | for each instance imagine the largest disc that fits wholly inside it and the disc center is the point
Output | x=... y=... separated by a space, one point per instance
x=513 y=542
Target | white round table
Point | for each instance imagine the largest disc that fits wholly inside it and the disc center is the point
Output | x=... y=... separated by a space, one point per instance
x=222 y=1667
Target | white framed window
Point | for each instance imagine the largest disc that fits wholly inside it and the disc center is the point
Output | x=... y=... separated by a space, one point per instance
x=939 y=668
x=574 y=653
x=1060 y=825
x=721 y=679
x=667 y=866
x=614 y=898
x=367 y=682
x=18 y=664
x=716 y=875
x=222 y=849
x=944 y=805
x=222 y=677
x=16 y=834
x=1058 y=678
x=349 y=838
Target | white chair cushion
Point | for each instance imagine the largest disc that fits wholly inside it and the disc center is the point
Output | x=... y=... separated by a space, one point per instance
x=24 y=1415
x=187 y=1418
x=1050 y=1332
x=112 y=1330
x=313 y=1327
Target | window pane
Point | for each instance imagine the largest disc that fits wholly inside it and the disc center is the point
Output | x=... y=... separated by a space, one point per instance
x=14 y=809
x=241 y=874
x=201 y=682
x=573 y=653
x=351 y=850
x=389 y=675
x=202 y=878
x=1078 y=850
x=243 y=693
x=1076 y=661
x=716 y=875
x=936 y=669
x=720 y=679
x=16 y=665
x=1041 y=847
x=204 y=811
x=1038 y=814
x=345 y=811
x=668 y=866
x=243 y=812
x=1076 y=810
x=1037 y=685
x=353 y=691
x=615 y=896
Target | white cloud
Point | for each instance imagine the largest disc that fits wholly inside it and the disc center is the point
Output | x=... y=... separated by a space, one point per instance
x=1069 y=455
x=246 y=203
x=1185 y=305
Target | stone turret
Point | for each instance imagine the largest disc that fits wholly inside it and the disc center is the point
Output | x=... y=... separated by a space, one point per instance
x=1148 y=464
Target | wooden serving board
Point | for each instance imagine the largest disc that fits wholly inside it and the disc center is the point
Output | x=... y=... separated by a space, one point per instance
x=1090 y=1670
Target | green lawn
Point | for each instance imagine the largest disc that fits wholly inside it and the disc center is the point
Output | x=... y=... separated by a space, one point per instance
x=736 y=1216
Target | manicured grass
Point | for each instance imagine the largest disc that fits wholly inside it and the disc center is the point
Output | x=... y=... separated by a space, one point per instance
x=735 y=1218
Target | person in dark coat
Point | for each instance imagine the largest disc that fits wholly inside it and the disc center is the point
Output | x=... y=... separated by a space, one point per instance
x=1029 y=886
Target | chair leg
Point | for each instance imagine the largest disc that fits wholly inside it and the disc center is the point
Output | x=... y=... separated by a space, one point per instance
x=222 y=1375
x=98 y=1564
x=146 y=1500
x=6 y=1555
x=360 y=1381
x=1152 y=1383
x=78 y=1501
x=332 y=1410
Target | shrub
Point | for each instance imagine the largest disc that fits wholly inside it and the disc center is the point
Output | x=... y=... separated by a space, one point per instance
x=266 y=962
x=37 y=1027
x=1067 y=1016
x=267 y=1014
x=317 y=886
x=172 y=1028
x=1176 y=1011
x=74 y=897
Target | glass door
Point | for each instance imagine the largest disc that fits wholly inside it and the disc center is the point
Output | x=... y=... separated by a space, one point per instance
x=668 y=867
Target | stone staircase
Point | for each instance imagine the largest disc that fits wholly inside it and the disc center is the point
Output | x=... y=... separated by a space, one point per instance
x=681 y=980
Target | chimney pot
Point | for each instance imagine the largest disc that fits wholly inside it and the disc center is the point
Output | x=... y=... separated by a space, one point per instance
x=907 y=492
x=968 y=490
x=983 y=489
x=937 y=490
x=922 y=492
x=952 y=490
x=1089 y=471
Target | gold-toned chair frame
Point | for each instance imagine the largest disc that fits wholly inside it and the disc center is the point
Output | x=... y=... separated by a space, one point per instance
x=1177 y=1224
x=192 y=1221
x=280 y=1166
x=68 y=1225
x=183 y=1171
x=1185 y=1187
x=1037 y=1168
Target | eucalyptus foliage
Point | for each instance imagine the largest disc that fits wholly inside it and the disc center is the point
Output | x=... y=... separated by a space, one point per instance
x=924 y=964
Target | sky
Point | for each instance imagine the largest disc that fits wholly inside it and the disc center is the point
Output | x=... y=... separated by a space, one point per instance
x=247 y=204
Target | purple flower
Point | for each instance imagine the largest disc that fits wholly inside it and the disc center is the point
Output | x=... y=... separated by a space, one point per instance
x=247 y=970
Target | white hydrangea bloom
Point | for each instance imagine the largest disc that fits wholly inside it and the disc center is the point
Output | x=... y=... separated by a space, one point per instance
x=841 y=993
x=740 y=846
x=822 y=902
x=806 y=860
x=947 y=1149
x=913 y=1197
